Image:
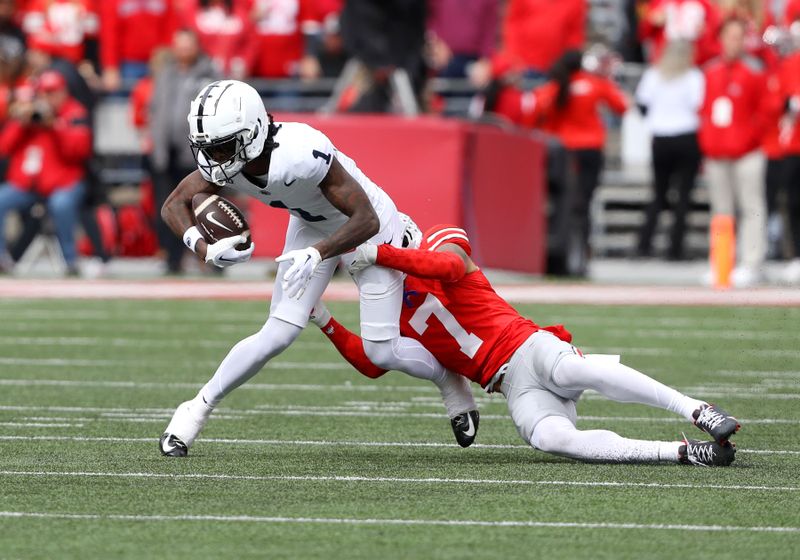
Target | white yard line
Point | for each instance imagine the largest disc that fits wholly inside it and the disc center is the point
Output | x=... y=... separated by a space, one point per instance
x=318 y=443
x=396 y=522
x=380 y=409
x=398 y=480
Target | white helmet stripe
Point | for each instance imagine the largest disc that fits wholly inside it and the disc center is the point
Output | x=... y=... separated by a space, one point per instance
x=445 y=231
x=445 y=238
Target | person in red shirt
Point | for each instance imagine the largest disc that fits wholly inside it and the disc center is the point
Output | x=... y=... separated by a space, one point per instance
x=60 y=27
x=47 y=141
x=223 y=28
x=129 y=32
x=568 y=107
x=733 y=121
x=536 y=33
x=278 y=46
x=696 y=21
x=451 y=308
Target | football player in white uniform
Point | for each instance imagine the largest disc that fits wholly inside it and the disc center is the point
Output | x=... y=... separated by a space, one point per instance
x=334 y=208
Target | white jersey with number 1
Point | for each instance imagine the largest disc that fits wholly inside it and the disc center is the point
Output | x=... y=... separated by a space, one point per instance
x=297 y=167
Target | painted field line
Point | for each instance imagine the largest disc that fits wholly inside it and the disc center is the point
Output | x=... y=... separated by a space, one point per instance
x=397 y=480
x=396 y=522
x=162 y=417
x=318 y=443
x=161 y=413
x=711 y=392
x=347 y=387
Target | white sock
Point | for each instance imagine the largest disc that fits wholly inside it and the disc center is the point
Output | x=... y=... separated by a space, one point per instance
x=621 y=383
x=247 y=358
x=557 y=435
x=408 y=355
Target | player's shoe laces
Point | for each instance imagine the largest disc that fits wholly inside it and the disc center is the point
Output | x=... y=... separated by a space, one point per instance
x=716 y=422
x=465 y=427
x=706 y=453
x=183 y=429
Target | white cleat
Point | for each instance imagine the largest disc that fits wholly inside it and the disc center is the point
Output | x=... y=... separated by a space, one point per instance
x=188 y=421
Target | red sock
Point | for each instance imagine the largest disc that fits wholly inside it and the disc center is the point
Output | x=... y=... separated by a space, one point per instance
x=351 y=347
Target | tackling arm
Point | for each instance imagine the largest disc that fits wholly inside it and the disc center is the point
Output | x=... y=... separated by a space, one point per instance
x=448 y=263
x=348 y=197
x=177 y=209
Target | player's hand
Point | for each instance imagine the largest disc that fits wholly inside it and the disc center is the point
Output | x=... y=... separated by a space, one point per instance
x=303 y=264
x=223 y=253
x=366 y=256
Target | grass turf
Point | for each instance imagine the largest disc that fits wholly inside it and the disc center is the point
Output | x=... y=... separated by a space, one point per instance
x=310 y=460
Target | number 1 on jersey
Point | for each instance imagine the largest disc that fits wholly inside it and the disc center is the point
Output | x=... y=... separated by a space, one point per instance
x=469 y=343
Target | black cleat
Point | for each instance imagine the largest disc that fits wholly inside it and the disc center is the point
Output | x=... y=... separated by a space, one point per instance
x=171 y=446
x=465 y=427
x=716 y=422
x=706 y=453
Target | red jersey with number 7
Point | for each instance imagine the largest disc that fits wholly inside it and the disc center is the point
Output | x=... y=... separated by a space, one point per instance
x=465 y=324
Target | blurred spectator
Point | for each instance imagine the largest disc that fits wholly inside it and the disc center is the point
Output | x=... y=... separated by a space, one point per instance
x=48 y=142
x=60 y=27
x=568 y=107
x=696 y=21
x=12 y=38
x=790 y=142
x=503 y=97
x=329 y=49
x=460 y=33
x=670 y=95
x=129 y=32
x=283 y=39
x=223 y=27
x=176 y=84
x=385 y=36
x=537 y=32
x=732 y=123
x=757 y=18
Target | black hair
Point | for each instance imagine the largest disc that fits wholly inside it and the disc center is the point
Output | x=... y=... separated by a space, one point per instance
x=561 y=73
x=272 y=130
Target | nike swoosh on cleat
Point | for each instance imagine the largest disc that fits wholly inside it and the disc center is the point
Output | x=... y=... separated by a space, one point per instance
x=290 y=182
x=166 y=447
x=469 y=432
x=210 y=217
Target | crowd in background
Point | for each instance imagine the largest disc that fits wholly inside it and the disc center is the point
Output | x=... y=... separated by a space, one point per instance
x=722 y=87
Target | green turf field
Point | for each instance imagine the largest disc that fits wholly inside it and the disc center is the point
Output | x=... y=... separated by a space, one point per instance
x=310 y=460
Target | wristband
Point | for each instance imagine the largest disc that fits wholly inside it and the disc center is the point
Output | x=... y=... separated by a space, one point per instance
x=191 y=236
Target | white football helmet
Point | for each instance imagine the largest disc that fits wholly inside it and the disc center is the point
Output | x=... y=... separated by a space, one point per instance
x=412 y=236
x=228 y=126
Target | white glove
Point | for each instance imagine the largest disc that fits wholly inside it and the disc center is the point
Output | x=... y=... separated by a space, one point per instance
x=366 y=255
x=224 y=254
x=304 y=263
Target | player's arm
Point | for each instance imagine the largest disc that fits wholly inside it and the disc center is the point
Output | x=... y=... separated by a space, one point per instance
x=347 y=196
x=448 y=263
x=177 y=209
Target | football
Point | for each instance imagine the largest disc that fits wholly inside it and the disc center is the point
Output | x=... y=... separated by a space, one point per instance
x=217 y=218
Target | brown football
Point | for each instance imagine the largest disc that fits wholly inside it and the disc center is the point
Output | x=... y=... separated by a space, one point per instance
x=217 y=218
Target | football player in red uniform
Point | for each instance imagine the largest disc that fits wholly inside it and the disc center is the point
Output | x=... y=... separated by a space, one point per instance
x=452 y=309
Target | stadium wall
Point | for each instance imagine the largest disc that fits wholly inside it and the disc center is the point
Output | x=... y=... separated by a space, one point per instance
x=490 y=181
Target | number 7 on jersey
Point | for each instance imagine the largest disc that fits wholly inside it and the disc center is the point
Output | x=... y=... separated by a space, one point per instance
x=469 y=343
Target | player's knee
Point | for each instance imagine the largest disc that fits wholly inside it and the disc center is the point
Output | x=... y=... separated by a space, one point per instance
x=276 y=336
x=552 y=434
x=381 y=352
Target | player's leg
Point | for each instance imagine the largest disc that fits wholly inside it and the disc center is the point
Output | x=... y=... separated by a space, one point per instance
x=287 y=318
x=564 y=369
x=381 y=299
x=547 y=422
